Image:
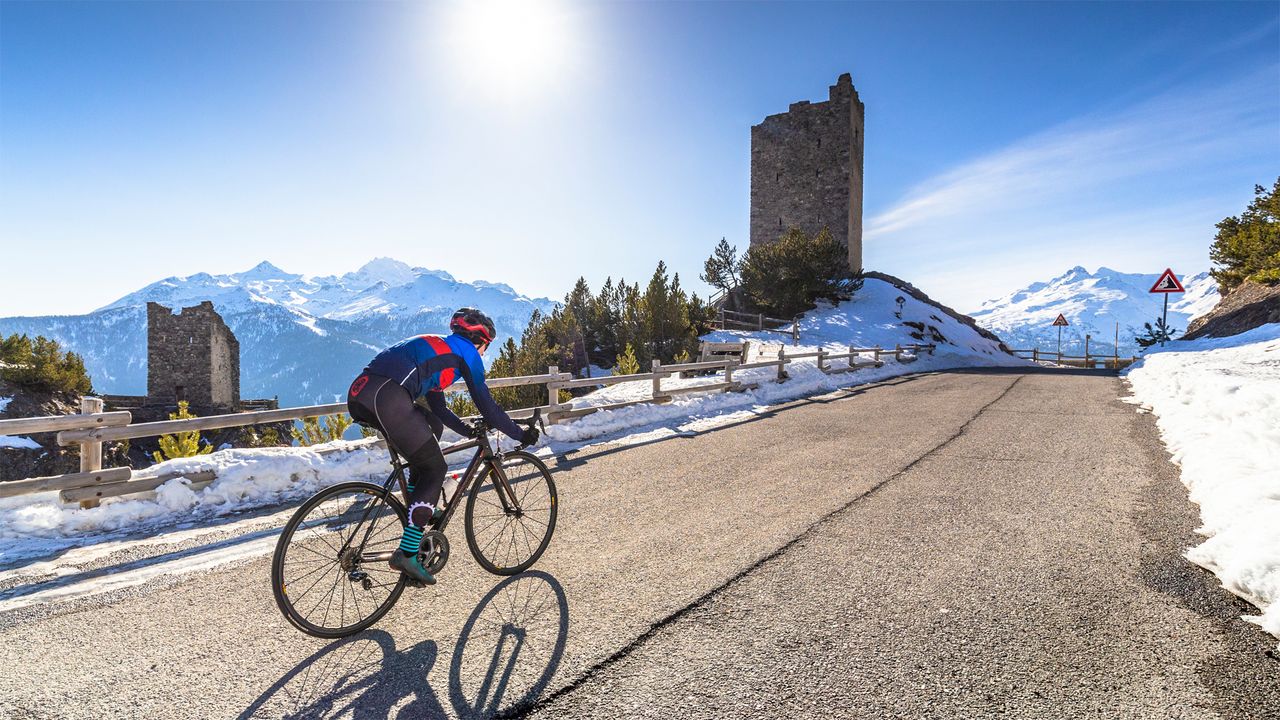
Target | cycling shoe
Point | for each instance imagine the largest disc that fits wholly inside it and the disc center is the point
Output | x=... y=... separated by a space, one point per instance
x=410 y=566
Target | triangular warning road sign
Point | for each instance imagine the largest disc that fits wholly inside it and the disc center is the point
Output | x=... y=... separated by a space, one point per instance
x=1060 y=321
x=1168 y=283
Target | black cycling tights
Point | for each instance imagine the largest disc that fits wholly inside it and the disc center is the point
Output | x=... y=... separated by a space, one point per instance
x=411 y=431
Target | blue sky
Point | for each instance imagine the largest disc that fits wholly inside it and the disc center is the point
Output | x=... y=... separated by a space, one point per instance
x=1005 y=142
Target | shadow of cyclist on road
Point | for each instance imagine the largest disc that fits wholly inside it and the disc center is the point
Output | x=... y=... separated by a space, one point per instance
x=510 y=647
x=503 y=660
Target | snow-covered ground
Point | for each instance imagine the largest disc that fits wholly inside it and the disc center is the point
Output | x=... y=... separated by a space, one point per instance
x=37 y=527
x=11 y=441
x=1217 y=404
x=19 y=442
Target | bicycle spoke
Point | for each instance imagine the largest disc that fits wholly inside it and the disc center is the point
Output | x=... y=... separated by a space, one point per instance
x=298 y=598
x=501 y=517
x=304 y=576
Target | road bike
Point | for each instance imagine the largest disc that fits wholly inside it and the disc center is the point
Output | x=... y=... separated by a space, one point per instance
x=330 y=574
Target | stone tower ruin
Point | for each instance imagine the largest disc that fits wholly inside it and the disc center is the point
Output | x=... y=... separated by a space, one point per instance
x=192 y=355
x=806 y=170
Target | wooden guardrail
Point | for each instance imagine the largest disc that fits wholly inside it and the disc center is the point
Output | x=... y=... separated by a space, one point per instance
x=733 y=320
x=92 y=427
x=1109 y=362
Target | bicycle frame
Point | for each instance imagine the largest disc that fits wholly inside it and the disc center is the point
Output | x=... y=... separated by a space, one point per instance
x=484 y=456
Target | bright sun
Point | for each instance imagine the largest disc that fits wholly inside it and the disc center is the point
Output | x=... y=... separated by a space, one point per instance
x=512 y=46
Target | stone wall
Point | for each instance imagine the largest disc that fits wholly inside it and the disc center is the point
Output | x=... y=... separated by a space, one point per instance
x=192 y=356
x=806 y=170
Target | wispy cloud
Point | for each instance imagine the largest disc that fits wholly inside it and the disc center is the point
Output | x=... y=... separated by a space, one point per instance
x=1173 y=131
x=1077 y=191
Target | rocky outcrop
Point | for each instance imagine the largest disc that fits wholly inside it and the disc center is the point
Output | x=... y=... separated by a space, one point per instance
x=1244 y=308
x=49 y=458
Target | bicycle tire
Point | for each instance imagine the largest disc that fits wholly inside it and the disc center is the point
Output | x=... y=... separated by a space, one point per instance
x=280 y=580
x=482 y=514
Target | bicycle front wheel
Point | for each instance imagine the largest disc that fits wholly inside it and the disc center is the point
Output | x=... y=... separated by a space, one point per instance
x=507 y=534
x=329 y=573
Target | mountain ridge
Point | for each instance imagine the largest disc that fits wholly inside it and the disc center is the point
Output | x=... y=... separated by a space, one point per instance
x=1092 y=302
x=302 y=338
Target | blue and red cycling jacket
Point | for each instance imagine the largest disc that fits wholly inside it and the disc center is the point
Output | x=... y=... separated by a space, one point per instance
x=427 y=364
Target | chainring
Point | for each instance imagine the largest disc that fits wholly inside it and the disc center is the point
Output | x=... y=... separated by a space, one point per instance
x=435 y=551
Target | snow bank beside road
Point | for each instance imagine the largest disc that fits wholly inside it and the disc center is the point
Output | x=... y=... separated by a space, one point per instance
x=1217 y=403
x=37 y=525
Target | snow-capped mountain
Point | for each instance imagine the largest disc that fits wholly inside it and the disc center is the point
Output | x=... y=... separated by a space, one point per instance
x=301 y=338
x=1092 y=303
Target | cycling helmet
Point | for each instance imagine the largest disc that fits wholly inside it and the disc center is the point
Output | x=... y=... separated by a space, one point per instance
x=473 y=325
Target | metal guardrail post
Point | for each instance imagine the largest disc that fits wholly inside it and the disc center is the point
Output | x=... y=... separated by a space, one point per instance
x=795 y=332
x=90 y=450
x=782 y=363
x=657 y=378
x=822 y=355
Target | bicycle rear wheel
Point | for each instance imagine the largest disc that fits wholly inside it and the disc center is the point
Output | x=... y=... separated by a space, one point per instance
x=329 y=573
x=504 y=538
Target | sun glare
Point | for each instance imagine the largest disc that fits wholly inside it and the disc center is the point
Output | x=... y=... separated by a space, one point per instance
x=515 y=47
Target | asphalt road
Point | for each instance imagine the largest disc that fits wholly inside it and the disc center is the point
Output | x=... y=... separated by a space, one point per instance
x=965 y=544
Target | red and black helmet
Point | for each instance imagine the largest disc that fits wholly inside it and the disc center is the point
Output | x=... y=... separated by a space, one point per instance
x=473 y=325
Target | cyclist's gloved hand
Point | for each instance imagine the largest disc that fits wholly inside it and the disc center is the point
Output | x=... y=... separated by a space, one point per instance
x=530 y=435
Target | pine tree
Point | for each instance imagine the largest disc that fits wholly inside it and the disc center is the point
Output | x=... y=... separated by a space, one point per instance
x=182 y=444
x=461 y=404
x=626 y=363
x=1157 y=335
x=787 y=276
x=320 y=430
x=722 y=269
x=40 y=364
x=605 y=319
x=1248 y=247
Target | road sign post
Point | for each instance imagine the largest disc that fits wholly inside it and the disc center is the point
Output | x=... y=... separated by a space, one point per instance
x=1165 y=284
x=1060 y=323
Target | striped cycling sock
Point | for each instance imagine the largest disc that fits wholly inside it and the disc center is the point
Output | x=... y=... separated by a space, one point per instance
x=411 y=540
x=419 y=515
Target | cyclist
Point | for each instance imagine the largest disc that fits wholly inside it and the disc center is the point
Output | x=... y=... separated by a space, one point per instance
x=384 y=394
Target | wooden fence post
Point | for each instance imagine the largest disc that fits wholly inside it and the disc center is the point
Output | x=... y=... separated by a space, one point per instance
x=897 y=352
x=759 y=321
x=795 y=332
x=782 y=363
x=90 y=451
x=728 y=371
x=877 y=353
x=1035 y=354
x=553 y=392
x=722 y=317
